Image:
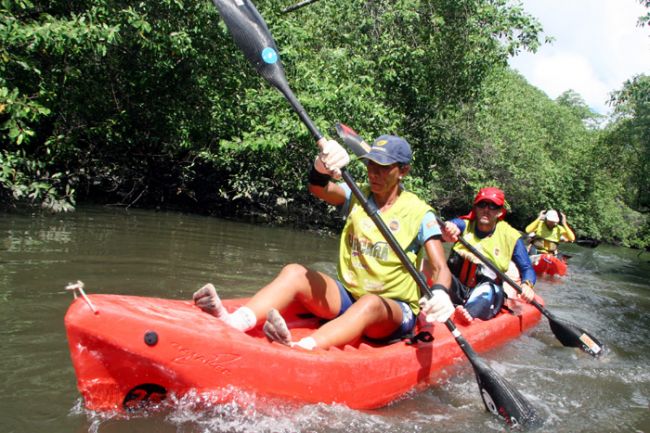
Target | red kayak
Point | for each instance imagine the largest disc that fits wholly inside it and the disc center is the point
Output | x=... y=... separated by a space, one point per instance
x=128 y=351
x=549 y=264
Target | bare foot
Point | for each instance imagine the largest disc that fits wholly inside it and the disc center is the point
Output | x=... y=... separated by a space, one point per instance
x=276 y=329
x=207 y=299
x=462 y=316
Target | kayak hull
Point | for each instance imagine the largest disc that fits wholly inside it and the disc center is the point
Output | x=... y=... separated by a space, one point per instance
x=130 y=351
x=549 y=264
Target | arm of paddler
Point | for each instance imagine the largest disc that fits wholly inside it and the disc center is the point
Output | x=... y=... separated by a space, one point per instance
x=528 y=277
x=332 y=193
x=567 y=234
x=437 y=262
x=327 y=165
x=532 y=227
x=437 y=308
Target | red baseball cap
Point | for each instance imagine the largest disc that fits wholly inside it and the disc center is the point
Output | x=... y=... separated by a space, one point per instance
x=495 y=195
x=492 y=194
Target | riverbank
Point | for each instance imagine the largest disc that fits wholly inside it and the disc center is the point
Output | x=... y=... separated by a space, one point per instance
x=302 y=212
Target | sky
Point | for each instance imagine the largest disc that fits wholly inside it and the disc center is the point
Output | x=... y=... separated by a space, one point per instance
x=597 y=47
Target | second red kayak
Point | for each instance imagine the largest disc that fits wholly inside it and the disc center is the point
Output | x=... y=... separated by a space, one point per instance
x=549 y=264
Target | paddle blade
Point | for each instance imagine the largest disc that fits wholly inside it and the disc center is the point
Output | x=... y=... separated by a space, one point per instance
x=571 y=335
x=251 y=34
x=353 y=140
x=502 y=399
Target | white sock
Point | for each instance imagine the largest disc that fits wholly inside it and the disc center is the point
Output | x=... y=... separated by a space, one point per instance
x=306 y=343
x=242 y=319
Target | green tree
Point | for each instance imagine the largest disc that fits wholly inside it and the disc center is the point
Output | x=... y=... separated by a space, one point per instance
x=152 y=104
x=627 y=147
x=632 y=130
x=574 y=101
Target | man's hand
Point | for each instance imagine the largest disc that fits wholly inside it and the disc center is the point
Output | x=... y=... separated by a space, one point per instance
x=450 y=232
x=542 y=215
x=437 y=308
x=331 y=159
x=527 y=292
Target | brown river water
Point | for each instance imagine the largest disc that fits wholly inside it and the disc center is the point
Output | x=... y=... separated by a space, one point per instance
x=169 y=255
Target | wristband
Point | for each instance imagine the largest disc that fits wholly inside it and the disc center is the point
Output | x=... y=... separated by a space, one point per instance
x=438 y=287
x=317 y=178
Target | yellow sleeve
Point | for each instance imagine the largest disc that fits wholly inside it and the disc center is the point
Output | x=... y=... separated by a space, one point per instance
x=567 y=233
x=530 y=228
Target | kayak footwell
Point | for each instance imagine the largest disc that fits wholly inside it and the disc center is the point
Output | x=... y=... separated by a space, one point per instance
x=136 y=350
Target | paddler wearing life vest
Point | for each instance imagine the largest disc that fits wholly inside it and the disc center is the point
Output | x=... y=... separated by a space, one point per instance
x=476 y=290
x=547 y=231
x=373 y=295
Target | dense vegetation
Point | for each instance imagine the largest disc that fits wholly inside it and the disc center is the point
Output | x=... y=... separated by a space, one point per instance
x=150 y=104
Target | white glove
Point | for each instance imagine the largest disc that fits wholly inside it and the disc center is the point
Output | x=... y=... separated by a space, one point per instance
x=331 y=159
x=437 y=308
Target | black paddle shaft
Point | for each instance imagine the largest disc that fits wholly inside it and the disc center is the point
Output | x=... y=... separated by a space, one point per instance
x=254 y=39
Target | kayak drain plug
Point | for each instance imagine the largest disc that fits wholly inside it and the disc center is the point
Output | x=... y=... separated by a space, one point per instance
x=150 y=338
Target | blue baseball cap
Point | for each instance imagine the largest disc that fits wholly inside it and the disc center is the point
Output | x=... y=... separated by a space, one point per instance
x=390 y=149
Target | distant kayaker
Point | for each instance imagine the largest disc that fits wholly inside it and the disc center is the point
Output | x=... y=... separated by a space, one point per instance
x=373 y=295
x=476 y=290
x=547 y=231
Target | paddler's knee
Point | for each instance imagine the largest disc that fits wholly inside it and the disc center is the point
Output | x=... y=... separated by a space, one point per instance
x=294 y=270
x=369 y=304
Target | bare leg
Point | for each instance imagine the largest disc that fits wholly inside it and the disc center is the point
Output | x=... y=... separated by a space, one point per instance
x=371 y=315
x=318 y=292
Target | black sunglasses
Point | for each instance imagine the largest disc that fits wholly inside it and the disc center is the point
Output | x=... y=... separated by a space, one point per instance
x=484 y=204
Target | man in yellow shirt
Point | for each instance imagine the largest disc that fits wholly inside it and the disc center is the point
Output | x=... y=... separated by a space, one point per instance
x=547 y=232
x=372 y=295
